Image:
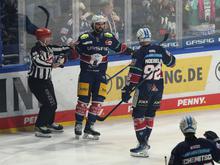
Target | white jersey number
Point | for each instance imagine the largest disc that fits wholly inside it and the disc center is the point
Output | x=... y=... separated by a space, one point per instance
x=152 y=72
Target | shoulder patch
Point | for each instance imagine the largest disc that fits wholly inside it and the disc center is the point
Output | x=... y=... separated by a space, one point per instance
x=84 y=36
x=109 y=35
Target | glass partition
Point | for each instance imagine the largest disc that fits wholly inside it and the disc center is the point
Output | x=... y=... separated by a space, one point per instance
x=201 y=20
x=9 y=31
x=158 y=15
x=114 y=11
x=189 y=22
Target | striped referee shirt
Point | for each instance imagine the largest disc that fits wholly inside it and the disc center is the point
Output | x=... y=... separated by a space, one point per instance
x=42 y=58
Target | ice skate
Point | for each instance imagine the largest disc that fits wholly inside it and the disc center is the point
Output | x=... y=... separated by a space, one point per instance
x=78 y=130
x=42 y=132
x=90 y=133
x=55 y=127
x=140 y=151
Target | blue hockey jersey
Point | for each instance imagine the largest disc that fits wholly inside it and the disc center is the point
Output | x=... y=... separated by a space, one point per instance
x=93 y=50
x=147 y=64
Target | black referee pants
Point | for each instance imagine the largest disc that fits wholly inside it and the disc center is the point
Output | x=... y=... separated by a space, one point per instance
x=44 y=92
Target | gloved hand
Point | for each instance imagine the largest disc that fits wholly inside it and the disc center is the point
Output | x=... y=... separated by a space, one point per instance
x=60 y=61
x=125 y=96
x=212 y=136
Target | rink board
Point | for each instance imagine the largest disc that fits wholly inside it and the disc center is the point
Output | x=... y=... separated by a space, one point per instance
x=194 y=82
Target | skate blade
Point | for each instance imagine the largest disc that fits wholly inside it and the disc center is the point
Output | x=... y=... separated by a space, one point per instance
x=140 y=154
x=56 y=131
x=39 y=134
x=90 y=137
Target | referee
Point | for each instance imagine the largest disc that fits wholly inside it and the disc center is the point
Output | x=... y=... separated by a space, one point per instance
x=45 y=57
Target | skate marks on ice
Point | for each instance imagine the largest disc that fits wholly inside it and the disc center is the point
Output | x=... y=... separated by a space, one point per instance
x=117 y=138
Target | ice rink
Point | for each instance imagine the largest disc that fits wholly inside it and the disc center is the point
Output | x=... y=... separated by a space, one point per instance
x=117 y=137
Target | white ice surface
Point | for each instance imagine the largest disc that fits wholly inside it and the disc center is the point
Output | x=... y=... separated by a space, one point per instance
x=117 y=137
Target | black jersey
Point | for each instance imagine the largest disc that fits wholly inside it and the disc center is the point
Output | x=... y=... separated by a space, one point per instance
x=195 y=151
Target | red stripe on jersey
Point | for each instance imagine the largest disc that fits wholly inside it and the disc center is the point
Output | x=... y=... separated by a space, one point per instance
x=134 y=78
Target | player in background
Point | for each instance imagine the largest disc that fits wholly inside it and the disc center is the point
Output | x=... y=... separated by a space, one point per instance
x=44 y=58
x=146 y=65
x=93 y=48
x=193 y=150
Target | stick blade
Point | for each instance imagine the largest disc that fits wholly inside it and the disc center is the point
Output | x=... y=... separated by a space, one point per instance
x=166 y=36
x=100 y=118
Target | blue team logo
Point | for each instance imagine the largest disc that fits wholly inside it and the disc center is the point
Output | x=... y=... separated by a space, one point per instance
x=217 y=71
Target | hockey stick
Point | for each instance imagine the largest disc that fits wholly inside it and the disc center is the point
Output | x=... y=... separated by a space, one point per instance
x=165 y=159
x=117 y=73
x=47 y=15
x=166 y=36
x=138 y=85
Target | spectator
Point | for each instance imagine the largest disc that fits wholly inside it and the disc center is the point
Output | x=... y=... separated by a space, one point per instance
x=200 y=18
x=113 y=20
x=66 y=30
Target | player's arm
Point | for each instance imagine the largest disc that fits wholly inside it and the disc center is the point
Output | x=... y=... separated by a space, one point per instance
x=134 y=75
x=116 y=46
x=174 y=158
x=168 y=59
x=213 y=137
x=39 y=60
x=136 y=69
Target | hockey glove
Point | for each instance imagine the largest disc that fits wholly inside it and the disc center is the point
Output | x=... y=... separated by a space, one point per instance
x=129 y=51
x=212 y=136
x=61 y=60
x=125 y=95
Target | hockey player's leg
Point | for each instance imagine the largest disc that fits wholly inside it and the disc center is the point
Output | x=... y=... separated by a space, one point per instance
x=84 y=93
x=140 y=151
x=140 y=124
x=81 y=109
x=89 y=131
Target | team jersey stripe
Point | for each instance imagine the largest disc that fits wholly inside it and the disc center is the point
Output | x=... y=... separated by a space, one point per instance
x=135 y=78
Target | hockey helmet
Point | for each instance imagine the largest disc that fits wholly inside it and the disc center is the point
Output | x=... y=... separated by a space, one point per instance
x=98 y=19
x=188 y=125
x=43 y=33
x=143 y=34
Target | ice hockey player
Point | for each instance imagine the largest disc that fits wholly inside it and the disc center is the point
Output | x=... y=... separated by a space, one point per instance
x=45 y=57
x=146 y=66
x=93 y=48
x=193 y=150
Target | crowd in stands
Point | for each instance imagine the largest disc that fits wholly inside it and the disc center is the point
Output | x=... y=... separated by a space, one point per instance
x=200 y=17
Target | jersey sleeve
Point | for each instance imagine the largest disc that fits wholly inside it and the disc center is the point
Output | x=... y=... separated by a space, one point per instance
x=174 y=158
x=39 y=59
x=216 y=152
x=78 y=47
x=136 y=69
x=114 y=44
x=168 y=59
x=60 y=50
